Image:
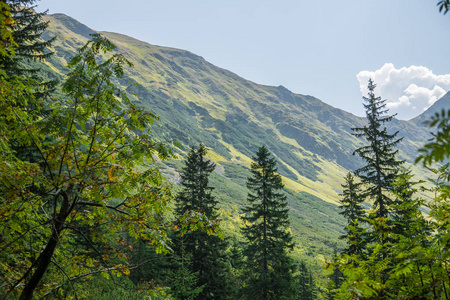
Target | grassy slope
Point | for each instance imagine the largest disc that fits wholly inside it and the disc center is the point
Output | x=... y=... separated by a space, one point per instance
x=199 y=102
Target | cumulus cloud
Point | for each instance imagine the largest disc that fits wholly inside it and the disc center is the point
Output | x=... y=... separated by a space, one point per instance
x=408 y=91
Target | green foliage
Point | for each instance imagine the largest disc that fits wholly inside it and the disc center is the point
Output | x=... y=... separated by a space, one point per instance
x=182 y=281
x=6 y=21
x=352 y=210
x=206 y=251
x=268 y=266
x=409 y=256
x=444 y=6
x=26 y=30
x=438 y=148
x=379 y=153
x=83 y=183
x=306 y=288
x=196 y=192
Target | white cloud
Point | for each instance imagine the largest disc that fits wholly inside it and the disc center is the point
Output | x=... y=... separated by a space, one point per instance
x=408 y=91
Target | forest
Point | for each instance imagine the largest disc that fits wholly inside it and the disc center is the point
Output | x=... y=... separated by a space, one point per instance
x=87 y=211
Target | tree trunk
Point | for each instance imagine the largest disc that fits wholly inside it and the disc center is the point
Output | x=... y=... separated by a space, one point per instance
x=46 y=255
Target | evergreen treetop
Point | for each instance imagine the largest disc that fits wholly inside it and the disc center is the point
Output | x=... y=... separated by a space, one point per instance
x=351 y=200
x=196 y=192
x=269 y=268
x=207 y=252
x=28 y=46
x=380 y=154
x=352 y=210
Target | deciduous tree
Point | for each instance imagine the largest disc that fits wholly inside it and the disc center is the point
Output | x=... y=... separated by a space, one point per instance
x=93 y=178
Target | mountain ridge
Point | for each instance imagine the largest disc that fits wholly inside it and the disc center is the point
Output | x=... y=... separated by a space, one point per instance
x=436 y=107
x=202 y=103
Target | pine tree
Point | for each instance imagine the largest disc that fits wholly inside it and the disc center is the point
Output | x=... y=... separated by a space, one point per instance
x=306 y=285
x=208 y=258
x=382 y=165
x=196 y=192
x=22 y=63
x=405 y=208
x=28 y=47
x=267 y=240
x=352 y=210
x=183 y=282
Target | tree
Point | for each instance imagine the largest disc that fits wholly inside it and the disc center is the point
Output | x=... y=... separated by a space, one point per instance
x=269 y=268
x=93 y=179
x=6 y=37
x=28 y=46
x=382 y=165
x=370 y=274
x=196 y=192
x=208 y=259
x=352 y=210
x=183 y=281
x=405 y=207
x=306 y=285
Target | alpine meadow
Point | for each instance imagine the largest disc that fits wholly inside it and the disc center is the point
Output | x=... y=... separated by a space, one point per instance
x=135 y=171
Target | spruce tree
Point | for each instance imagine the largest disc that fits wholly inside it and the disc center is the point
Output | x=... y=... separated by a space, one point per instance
x=207 y=252
x=28 y=47
x=306 y=286
x=379 y=153
x=269 y=268
x=352 y=210
x=183 y=282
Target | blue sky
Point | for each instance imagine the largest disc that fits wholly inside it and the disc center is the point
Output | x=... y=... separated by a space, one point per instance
x=327 y=49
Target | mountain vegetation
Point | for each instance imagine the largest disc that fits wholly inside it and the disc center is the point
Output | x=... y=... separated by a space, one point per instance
x=267 y=242
x=149 y=172
x=198 y=102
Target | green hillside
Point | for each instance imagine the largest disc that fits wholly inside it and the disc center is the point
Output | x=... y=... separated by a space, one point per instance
x=198 y=102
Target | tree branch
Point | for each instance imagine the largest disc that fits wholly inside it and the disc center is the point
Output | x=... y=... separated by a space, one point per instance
x=103 y=205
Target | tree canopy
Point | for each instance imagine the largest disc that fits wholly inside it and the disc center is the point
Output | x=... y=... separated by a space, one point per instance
x=269 y=267
x=92 y=178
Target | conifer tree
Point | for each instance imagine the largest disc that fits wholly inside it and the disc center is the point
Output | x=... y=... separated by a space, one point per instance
x=405 y=208
x=306 y=285
x=183 y=281
x=352 y=210
x=207 y=252
x=380 y=155
x=28 y=47
x=269 y=267
x=196 y=192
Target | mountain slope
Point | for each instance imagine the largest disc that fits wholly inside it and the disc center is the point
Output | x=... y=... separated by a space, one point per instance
x=199 y=102
x=437 y=107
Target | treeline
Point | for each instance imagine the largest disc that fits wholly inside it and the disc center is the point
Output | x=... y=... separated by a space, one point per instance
x=394 y=250
x=84 y=208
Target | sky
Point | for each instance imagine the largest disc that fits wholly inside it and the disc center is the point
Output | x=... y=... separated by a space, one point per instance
x=327 y=49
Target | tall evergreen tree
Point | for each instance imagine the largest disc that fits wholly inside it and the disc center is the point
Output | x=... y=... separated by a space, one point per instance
x=28 y=47
x=207 y=252
x=22 y=62
x=183 y=281
x=267 y=240
x=405 y=205
x=196 y=192
x=380 y=155
x=352 y=210
x=306 y=286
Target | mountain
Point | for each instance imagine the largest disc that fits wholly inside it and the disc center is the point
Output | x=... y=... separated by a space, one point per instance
x=437 y=107
x=201 y=103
